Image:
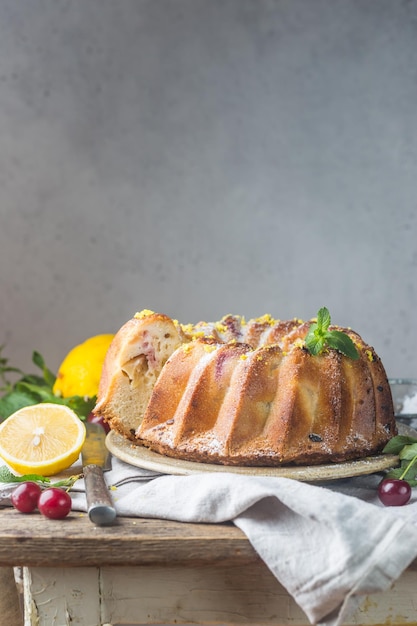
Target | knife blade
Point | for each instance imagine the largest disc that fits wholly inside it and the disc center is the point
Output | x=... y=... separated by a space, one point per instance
x=96 y=459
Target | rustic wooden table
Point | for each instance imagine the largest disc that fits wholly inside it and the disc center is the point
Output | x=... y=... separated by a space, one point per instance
x=143 y=571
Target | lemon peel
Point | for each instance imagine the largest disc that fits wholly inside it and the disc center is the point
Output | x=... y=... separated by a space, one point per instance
x=80 y=371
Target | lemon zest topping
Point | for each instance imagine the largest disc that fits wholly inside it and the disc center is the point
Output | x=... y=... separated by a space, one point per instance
x=221 y=328
x=140 y=315
x=299 y=343
x=370 y=355
x=266 y=319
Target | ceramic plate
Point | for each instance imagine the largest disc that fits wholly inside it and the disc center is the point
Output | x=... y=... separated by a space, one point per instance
x=142 y=457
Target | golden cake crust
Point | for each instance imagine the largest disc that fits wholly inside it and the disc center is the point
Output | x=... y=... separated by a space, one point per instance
x=244 y=393
x=131 y=367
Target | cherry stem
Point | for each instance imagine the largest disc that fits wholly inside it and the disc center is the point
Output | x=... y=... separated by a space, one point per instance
x=67 y=482
x=408 y=467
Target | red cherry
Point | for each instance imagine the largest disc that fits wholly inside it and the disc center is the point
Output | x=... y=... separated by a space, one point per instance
x=97 y=419
x=25 y=497
x=394 y=492
x=54 y=503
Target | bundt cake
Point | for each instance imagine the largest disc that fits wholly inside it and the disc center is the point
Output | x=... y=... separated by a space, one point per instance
x=244 y=393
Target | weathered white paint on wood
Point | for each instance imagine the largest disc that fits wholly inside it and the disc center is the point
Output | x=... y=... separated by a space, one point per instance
x=184 y=595
x=61 y=597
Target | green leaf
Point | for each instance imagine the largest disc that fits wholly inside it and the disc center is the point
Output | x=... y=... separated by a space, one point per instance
x=319 y=337
x=398 y=473
x=48 y=376
x=406 y=448
x=397 y=443
x=32 y=379
x=5 y=369
x=42 y=393
x=323 y=319
x=343 y=343
x=13 y=401
x=6 y=476
x=81 y=406
x=33 y=389
x=314 y=341
x=16 y=400
x=410 y=470
x=409 y=452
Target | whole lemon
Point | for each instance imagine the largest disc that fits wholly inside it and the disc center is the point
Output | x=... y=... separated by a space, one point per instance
x=80 y=371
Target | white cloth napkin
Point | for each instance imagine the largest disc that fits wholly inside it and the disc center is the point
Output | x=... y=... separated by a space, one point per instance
x=327 y=544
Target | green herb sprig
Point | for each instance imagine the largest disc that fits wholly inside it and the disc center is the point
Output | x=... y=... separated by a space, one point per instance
x=319 y=337
x=405 y=447
x=5 y=370
x=6 y=476
x=32 y=389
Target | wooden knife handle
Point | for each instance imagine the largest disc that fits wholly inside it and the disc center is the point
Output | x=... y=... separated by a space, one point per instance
x=99 y=504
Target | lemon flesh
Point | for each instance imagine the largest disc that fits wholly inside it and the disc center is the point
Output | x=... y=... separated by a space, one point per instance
x=41 y=439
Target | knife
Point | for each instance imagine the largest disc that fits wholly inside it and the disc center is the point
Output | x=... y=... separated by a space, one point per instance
x=96 y=459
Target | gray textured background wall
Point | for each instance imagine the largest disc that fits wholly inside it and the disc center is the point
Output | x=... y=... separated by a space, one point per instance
x=200 y=157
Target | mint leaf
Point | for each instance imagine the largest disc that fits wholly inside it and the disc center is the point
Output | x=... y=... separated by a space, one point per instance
x=323 y=319
x=319 y=337
x=314 y=341
x=13 y=401
x=43 y=394
x=6 y=476
x=48 y=376
x=5 y=369
x=343 y=343
x=82 y=406
x=33 y=389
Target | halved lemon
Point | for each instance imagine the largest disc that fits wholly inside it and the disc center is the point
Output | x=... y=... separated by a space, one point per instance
x=41 y=439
